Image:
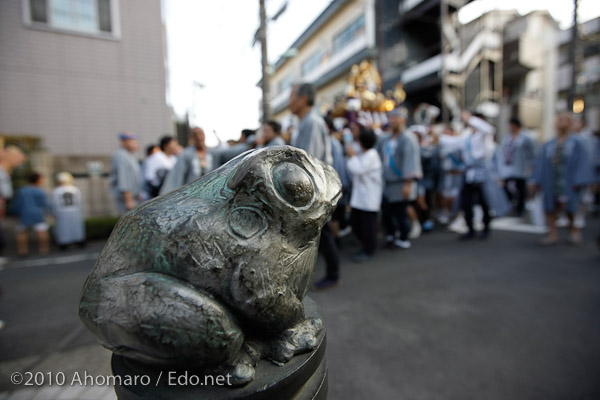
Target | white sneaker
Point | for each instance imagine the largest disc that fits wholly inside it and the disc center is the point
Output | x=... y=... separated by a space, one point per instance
x=345 y=232
x=2 y=324
x=458 y=225
x=562 y=222
x=579 y=221
x=403 y=244
x=415 y=230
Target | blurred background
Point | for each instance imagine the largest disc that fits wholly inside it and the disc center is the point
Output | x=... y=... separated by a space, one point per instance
x=76 y=72
x=502 y=320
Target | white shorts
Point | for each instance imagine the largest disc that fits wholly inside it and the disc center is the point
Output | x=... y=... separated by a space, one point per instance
x=39 y=227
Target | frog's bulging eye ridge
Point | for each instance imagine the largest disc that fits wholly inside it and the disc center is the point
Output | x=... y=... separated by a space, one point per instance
x=247 y=222
x=293 y=184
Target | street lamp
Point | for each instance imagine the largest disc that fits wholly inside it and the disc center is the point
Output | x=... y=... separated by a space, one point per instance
x=195 y=85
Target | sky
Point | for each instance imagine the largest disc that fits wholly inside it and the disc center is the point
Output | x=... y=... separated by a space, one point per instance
x=213 y=68
x=209 y=42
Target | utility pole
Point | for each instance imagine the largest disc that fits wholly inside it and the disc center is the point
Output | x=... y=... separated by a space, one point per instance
x=573 y=56
x=266 y=74
x=444 y=19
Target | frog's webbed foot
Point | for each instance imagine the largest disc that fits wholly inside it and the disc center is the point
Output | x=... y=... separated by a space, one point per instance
x=243 y=368
x=299 y=339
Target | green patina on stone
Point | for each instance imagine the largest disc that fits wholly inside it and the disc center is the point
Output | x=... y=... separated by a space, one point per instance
x=213 y=275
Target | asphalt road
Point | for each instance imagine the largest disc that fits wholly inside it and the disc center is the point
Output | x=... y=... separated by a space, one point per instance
x=500 y=319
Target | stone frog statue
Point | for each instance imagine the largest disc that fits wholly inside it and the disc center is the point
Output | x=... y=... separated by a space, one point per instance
x=212 y=275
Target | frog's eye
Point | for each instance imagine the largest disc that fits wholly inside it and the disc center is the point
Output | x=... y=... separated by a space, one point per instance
x=247 y=222
x=293 y=184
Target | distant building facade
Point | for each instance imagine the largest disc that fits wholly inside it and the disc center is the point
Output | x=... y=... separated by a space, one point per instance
x=75 y=73
x=587 y=82
x=341 y=36
x=501 y=63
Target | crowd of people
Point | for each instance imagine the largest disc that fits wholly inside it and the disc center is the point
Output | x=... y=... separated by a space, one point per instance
x=398 y=179
x=33 y=207
x=402 y=180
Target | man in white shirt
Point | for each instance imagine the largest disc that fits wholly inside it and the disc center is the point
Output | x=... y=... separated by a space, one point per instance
x=367 y=188
x=160 y=163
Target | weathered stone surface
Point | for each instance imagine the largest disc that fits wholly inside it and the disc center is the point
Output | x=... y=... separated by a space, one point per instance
x=303 y=377
x=212 y=275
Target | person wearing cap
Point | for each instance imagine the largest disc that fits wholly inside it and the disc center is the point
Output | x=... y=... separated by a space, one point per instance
x=195 y=161
x=401 y=157
x=312 y=136
x=514 y=160
x=66 y=205
x=125 y=174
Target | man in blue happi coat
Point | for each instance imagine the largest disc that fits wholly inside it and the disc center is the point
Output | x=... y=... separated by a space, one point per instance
x=561 y=172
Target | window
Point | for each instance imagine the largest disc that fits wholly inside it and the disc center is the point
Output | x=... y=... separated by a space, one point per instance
x=313 y=62
x=285 y=83
x=349 y=34
x=85 y=16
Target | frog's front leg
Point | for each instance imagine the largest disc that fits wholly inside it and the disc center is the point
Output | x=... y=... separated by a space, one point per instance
x=301 y=338
x=158 y=319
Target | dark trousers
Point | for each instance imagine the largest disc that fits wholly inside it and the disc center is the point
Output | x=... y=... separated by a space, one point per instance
x=364 y=226
x=520 y=196
x=395 y=218
x=330 y=252
x=470 y=195
x=425 y=214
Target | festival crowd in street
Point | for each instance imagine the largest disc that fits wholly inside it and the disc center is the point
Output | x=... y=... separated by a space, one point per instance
x=398 y=179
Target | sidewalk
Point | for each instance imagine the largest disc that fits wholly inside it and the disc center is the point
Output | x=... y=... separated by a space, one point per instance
x=92 y=360
x=56 y=256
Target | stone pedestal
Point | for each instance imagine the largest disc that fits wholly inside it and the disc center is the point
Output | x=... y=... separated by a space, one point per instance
x=303 y=377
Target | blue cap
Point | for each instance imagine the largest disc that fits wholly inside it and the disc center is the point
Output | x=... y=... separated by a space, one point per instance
x=127 y=136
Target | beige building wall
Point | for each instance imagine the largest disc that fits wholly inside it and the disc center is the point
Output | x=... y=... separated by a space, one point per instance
x=76 y=91
x=322 y=39
x=327 y=94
